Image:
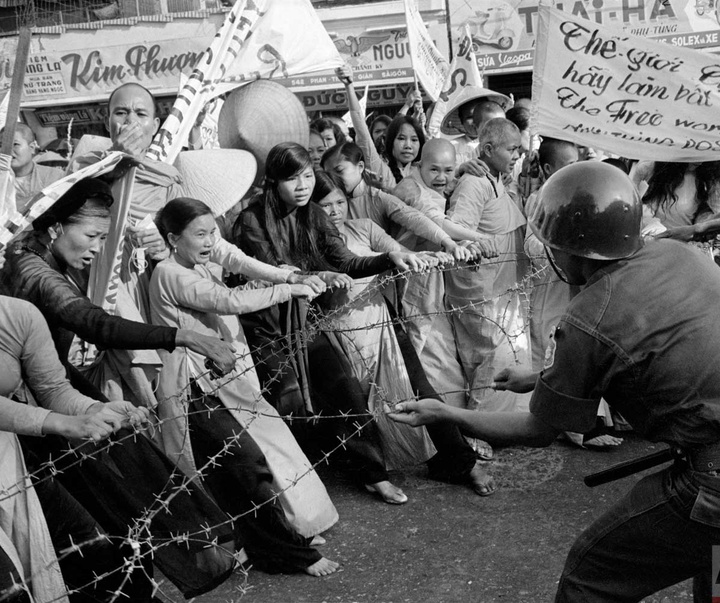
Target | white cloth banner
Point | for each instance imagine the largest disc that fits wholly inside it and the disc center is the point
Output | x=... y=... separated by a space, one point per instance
x=640 y=99
x=288 y=39
x=430 y=67
x=266 y=39
x=16 y=223
x=463 y=72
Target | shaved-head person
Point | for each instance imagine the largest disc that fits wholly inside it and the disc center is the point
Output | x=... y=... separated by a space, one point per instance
x=437 y=164
x=484 y=111
x=483 y=204
x=132 y=121
x=429 y=327
x=30 y=178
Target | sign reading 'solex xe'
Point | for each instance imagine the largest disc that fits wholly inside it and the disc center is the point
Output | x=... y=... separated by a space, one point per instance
x=504 y=32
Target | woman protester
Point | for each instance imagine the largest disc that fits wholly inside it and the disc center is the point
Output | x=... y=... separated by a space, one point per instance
x=248 y=457
x=356 y=334
x=677 y=195
x=283 y=227
x=403 y=140
x=133 y=480
x=366 y=200
x=29 y=568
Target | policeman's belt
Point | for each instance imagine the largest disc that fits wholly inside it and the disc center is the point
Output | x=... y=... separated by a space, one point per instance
x=705 y=458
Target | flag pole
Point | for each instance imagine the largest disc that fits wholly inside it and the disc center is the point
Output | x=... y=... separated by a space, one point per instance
x=16 y=89
x=412 y=60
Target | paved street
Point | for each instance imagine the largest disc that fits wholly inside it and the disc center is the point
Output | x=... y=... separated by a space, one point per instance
x=448 y=545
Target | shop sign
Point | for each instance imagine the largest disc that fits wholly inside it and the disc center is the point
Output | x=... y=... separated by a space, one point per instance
x=504 y=33
x=336 y=100
x=73 y=67
x=82 y=66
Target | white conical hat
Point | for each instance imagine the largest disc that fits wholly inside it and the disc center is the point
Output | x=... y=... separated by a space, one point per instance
x=217 y=177
x=451 y=122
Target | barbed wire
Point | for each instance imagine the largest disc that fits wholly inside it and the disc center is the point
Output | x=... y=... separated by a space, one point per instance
x=139 y=536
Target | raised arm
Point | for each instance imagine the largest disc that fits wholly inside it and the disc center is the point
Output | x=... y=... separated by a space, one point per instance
x=373 y=162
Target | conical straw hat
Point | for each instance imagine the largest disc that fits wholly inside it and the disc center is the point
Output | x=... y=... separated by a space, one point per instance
x=217 y=177
x=260 y=115
x=451 y=122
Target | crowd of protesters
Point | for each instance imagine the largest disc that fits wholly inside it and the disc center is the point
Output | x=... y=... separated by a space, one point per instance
x=365 y=269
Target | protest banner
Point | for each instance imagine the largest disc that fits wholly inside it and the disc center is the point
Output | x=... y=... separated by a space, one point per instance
x=8 y=207
x=504 y=33
x=637 y=98
x=13 y=225
x=429 y=65
x=287 y=39
x=463 y=72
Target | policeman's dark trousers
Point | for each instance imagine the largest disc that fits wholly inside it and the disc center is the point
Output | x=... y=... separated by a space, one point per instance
x=660 y=534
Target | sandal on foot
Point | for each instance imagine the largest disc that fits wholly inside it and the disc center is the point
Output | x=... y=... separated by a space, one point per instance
x=483 y=450
x=397 y=497
x=481 y=488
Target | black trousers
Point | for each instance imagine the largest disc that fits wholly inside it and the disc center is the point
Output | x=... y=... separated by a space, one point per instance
x=69 y=523
x=336 y=390
x=239 y=480
x=9 y=577
x=455 y=458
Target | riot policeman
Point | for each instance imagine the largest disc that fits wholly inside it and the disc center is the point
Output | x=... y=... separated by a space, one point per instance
x=643 y=333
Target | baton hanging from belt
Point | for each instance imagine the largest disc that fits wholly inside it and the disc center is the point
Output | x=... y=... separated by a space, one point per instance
x=630 y=467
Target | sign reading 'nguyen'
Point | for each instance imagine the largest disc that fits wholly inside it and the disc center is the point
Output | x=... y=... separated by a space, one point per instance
x=640 y=99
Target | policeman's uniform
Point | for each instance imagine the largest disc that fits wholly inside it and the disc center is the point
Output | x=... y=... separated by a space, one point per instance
x=644 y=333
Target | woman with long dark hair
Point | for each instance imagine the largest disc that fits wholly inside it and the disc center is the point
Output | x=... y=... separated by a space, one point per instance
x=402 y=142
x=283 y=227
x=678 y=194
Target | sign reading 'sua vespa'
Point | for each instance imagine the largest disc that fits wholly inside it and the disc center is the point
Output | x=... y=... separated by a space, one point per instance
x=624 y=94
x=504 y=32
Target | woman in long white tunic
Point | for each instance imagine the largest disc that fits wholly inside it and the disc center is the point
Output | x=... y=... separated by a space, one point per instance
x=358 y=324
x=256 y=460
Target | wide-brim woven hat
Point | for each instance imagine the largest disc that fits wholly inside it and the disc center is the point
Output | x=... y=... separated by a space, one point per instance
x=260 y=115
x=451 y=124
x=217 y=177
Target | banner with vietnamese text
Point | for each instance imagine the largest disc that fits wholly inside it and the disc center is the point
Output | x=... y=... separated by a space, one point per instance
x=431 y=68
x=637 y=98
x=260 y=39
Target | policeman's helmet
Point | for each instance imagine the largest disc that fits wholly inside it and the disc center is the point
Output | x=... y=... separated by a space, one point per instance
x=589 y=209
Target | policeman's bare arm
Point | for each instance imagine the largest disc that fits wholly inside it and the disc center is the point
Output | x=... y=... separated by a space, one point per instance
x=498 y=428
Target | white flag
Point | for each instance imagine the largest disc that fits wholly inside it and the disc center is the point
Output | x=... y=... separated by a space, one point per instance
x=430 y=66
x=15 y=223
x=463 y=73
x=267 y=39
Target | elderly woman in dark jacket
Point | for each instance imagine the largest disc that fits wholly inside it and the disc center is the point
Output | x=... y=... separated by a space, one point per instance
x=133 y=480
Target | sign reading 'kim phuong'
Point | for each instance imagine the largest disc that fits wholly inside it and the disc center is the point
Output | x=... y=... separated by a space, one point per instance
x=624 y=94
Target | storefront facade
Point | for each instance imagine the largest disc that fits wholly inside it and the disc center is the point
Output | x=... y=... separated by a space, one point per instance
x=73 y=69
